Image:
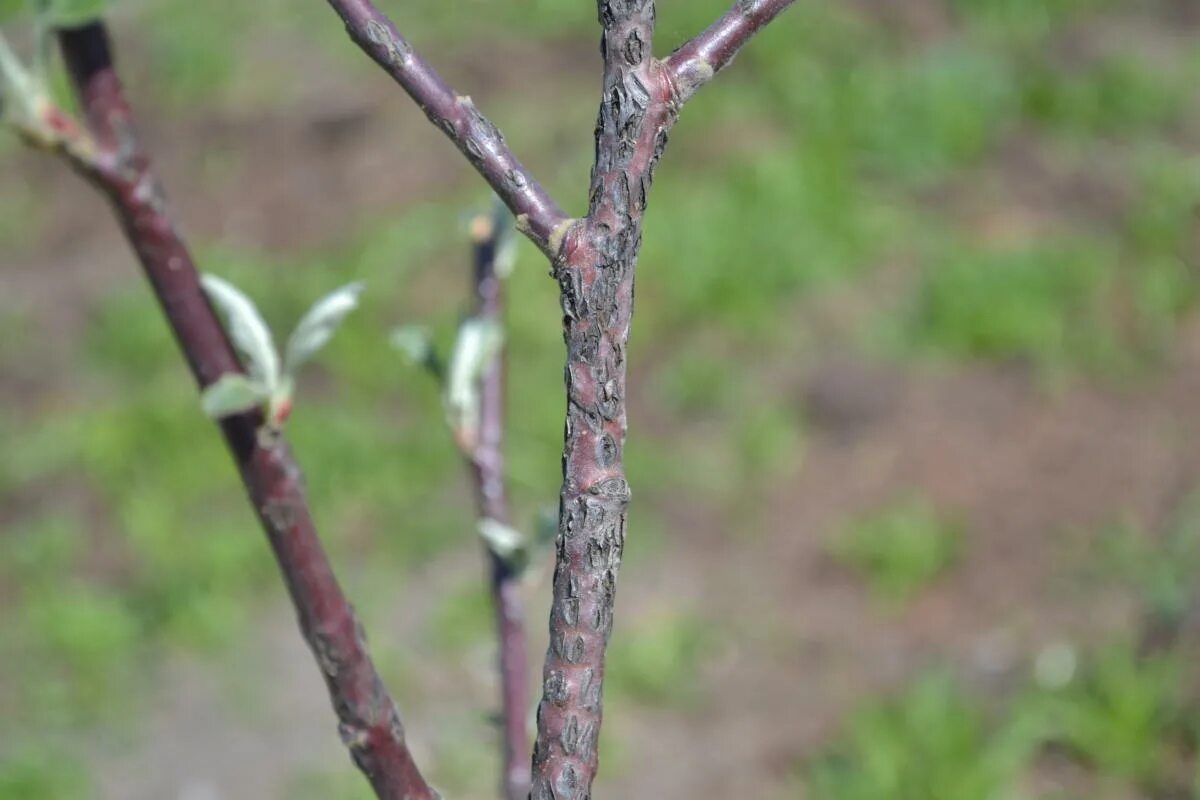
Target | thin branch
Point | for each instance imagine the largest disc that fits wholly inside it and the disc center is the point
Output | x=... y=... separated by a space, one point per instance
x=369 y=721
x=695 y=63
x=538 y=216
x=491 y=493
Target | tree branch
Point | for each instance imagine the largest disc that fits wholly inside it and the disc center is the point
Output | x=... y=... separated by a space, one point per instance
x=696 y=62
x=369 y=721
x=538 y=216
x=595 y=270
x=594 y=261
x=487 y=471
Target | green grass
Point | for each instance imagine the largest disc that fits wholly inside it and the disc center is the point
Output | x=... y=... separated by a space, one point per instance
x=1040 y=303
x=1125 y=714
x=655 y=660
x=899 y=548
x=932 y=742
x=1159 y=566
x=47 y=775
x=1121 y=717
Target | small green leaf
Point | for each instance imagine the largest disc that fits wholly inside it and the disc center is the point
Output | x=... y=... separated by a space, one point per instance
x=478 y=342
x=246 y=326
x=317 y=327
x=504 y=540
x=232 y=394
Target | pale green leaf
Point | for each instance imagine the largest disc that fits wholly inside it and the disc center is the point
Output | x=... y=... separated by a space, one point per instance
x=317 y=327
x=503 y=540
x=478 y=343
x=17 y=84
x=232 y=394
x=246 y=326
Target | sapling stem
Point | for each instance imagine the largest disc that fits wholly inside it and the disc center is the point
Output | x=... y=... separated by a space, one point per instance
x=593 y=260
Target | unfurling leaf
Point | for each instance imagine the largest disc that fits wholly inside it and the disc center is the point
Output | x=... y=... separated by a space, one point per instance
x=232 y=393
x=250 y=334
x=317 y=327
x=478 y=342
x=503 y=540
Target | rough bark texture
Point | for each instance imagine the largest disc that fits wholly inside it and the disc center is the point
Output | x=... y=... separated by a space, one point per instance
x=595 y=270
x=593 y=260
x=487 y=470
x=369 y=721
x=538 y=216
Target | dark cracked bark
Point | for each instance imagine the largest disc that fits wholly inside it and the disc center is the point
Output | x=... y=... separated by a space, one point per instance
x=111 y=158
x=595 y=270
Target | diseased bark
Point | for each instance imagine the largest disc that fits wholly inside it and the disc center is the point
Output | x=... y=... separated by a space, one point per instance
x=487 y=471
x=115 y=163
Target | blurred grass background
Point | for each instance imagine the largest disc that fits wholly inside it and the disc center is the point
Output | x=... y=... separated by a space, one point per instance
x=911 y=429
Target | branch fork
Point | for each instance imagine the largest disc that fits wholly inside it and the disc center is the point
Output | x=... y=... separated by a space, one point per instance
x=593 y=259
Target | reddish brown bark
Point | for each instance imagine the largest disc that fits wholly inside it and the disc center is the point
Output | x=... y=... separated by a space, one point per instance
x=595 y=270
x=369 y=721
x=593 y=260
x=696 y=62
x=487 y=470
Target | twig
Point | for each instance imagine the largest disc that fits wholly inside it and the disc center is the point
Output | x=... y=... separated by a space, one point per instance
x=369 y=721
x=487 y=470
x=698 y=61
x=538 y=216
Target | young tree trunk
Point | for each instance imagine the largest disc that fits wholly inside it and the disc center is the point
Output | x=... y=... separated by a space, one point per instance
x=593 y=260
x=595 y=270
